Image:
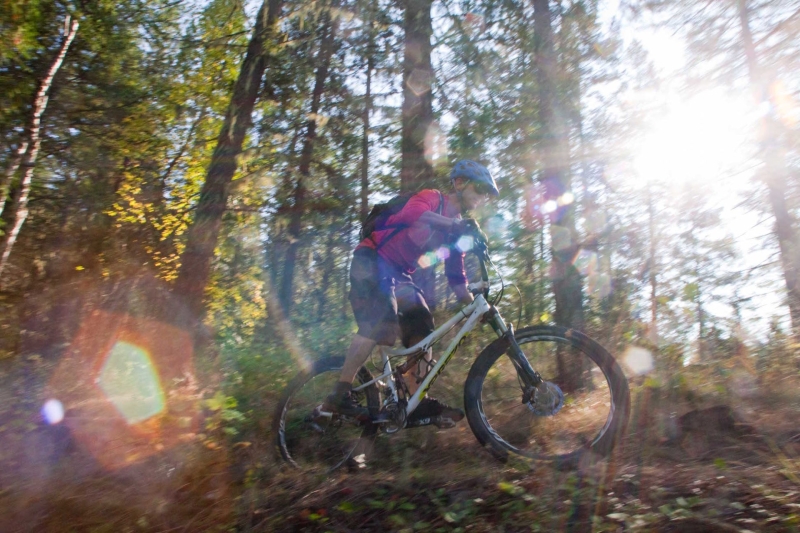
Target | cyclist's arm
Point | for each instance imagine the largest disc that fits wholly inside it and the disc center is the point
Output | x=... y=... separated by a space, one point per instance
x=437 y=221
x=457 y=276
x=463 y=294
x=417 y=207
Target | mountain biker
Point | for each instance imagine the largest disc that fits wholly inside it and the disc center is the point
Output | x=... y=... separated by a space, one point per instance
x=383 y=296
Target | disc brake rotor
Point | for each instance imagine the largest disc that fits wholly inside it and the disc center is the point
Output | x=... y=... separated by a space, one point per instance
x=547 y=399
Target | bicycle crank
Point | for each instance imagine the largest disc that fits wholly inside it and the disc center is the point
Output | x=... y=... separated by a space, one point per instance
x=392 y=418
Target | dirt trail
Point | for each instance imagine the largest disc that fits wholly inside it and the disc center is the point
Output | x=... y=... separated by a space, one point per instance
x=719 y=469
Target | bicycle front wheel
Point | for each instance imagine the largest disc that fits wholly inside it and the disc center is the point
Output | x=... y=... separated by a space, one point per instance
x=308 y=436
x=596 y=399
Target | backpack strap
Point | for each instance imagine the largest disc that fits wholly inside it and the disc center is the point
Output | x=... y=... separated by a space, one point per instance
x=400 y=227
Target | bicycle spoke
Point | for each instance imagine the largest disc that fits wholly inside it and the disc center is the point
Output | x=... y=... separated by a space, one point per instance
x=309 y=437
x=535 y=431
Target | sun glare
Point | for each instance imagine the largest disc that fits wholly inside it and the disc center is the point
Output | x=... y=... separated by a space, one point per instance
x=701 y=139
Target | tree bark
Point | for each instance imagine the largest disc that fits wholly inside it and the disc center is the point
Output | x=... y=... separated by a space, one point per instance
x=417 y=108
x=775 y=173
x=286 y=290
x=701 y=322
x=652 y=333
x=327 y=271
x=364 y=210
x=34 y=141
x=567 y=282
x=202 y=234
x=417 y=111
x=11 y=171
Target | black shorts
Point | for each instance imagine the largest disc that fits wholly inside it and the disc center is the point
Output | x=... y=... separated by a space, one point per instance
x=384 y=298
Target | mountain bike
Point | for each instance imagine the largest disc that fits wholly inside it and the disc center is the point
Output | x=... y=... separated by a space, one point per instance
x=544 y=393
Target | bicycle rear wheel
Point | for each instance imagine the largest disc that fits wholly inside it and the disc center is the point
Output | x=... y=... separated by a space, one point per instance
x=596 y=399
x=312 y=439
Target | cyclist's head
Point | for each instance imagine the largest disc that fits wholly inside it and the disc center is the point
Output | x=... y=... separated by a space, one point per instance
x=478 y=174
x=468 y=174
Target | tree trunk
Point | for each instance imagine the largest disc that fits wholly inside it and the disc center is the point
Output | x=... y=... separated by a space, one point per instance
x=701 y=335
x=34 y=141
x=775 y=174
x=327 y=271
x=286 y=290
x=416 y=172
x=417 y=109
x=11 y=171
x=567 y=283
x=652 y=334
x=337 y=233
x=364 y=210
x=202 y=234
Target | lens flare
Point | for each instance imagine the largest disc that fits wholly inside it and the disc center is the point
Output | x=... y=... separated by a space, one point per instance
x=595 y=221
x=639 y=360
x=419 y=81
x=465 y=243
x=130 y=381
x=435 y=145
x=598 y=285
x=565 y=199
x=560 y=237
x=426 y=260
x=585 y=262
x=130 y=387
x=549 y=206
x=53 y=411
x=496 y=226
x=785 y=106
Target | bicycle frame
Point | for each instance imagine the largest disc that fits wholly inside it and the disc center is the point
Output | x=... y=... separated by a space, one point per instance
x=473 y=313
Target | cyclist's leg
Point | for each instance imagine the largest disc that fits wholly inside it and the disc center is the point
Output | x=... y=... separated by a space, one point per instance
x=416 y=322
x=375 y=310
x=357 y=354
x=372 y=297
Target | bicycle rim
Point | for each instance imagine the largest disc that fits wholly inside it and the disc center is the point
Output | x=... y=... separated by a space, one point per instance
x=581 y=369
x=309 y=438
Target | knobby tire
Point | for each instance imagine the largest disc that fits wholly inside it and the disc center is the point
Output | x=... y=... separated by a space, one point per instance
x=591 y=421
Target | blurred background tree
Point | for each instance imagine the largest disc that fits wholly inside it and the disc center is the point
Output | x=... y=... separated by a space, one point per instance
x=230 y=151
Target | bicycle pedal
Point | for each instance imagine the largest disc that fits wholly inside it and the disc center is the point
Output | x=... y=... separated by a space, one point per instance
x=382 y=418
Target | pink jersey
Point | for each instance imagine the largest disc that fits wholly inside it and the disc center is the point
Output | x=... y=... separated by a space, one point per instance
x=407 y=249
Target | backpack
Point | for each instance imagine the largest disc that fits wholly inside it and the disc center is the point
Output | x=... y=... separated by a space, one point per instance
x=380 y=213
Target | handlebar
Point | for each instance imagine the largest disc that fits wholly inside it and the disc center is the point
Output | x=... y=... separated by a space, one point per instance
x=481 y=251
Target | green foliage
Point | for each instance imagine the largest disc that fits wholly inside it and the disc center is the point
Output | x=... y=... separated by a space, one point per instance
x=129 y=132
x=224 y=416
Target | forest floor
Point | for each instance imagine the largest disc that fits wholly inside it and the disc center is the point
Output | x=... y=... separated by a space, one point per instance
x=715 y=478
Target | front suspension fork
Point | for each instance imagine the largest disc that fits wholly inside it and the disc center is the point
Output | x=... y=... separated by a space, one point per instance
x=529 y=376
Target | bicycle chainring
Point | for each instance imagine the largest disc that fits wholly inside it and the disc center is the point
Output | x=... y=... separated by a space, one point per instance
x=395 y=416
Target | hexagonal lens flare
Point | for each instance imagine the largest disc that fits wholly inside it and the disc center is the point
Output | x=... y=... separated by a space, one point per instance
x=130 y=381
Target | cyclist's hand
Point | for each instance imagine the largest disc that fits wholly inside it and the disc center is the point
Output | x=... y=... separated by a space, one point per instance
x=469 y=226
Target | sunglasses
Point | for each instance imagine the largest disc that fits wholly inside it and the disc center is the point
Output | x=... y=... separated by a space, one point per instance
x=481 y=188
